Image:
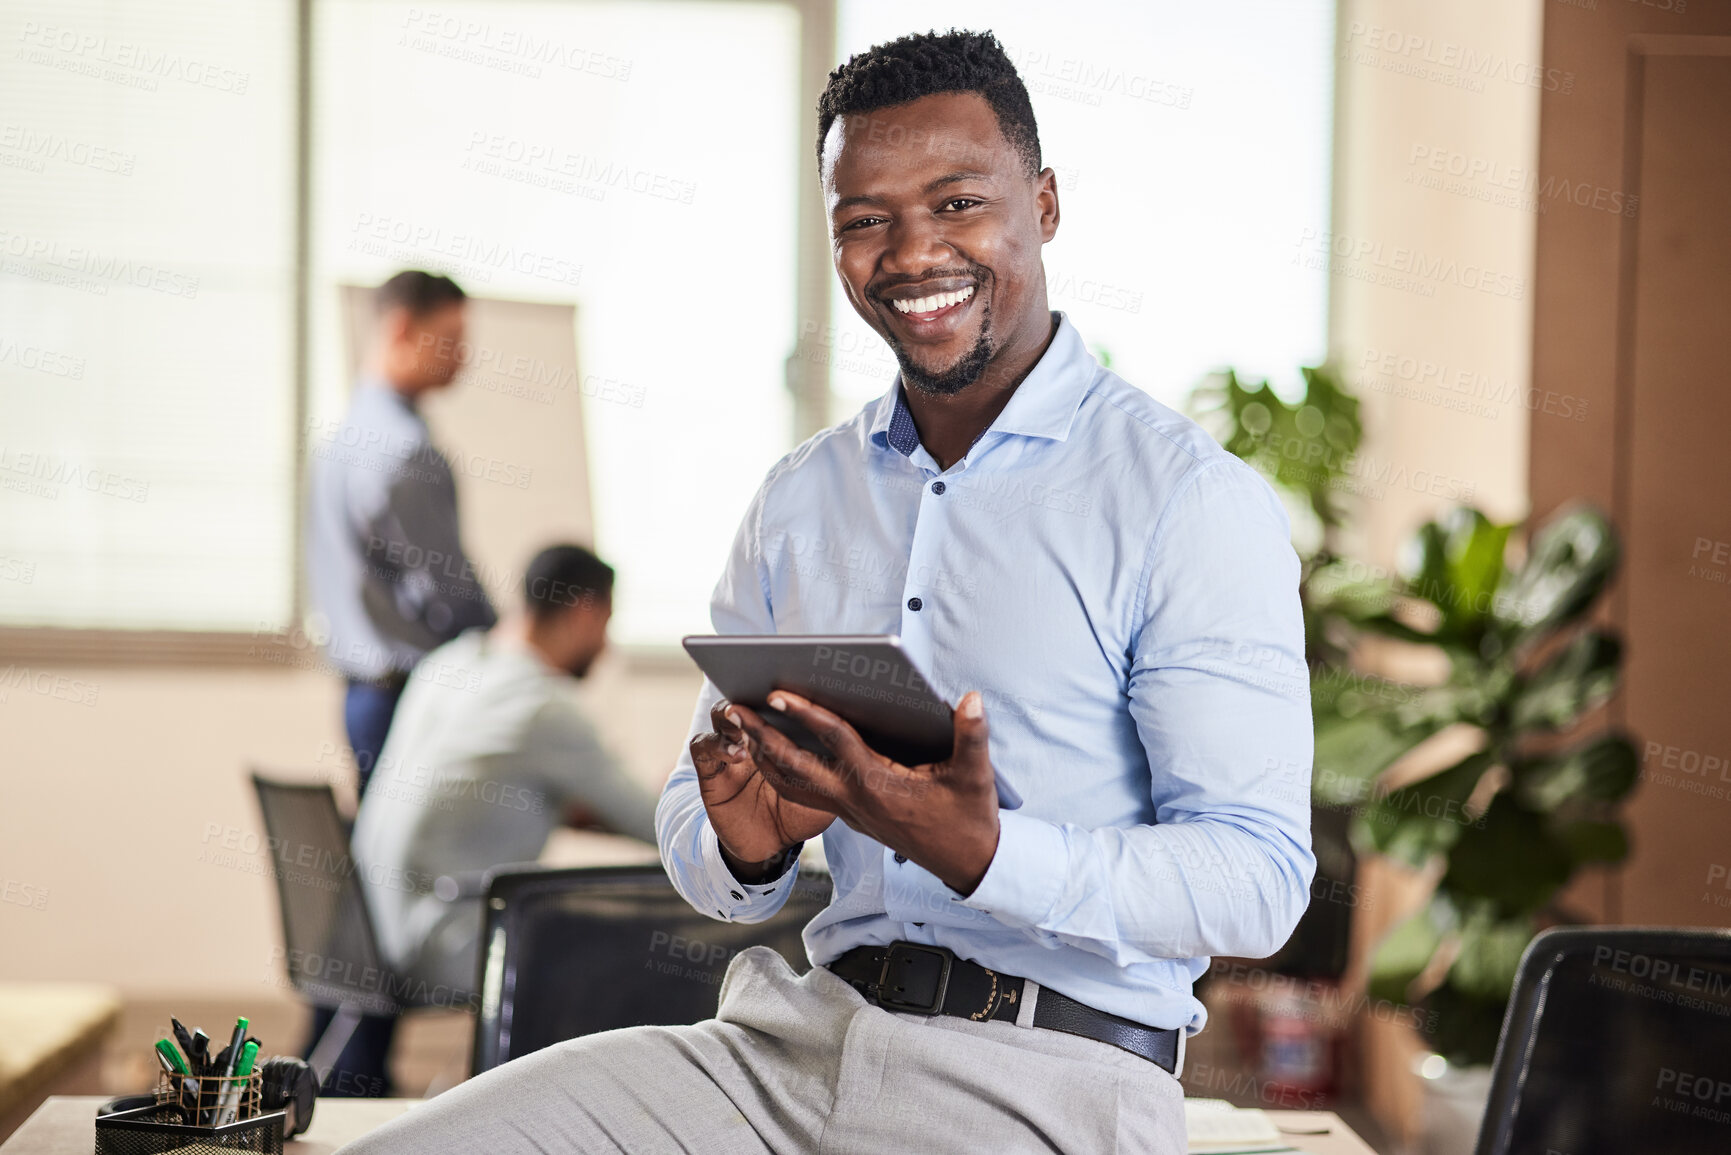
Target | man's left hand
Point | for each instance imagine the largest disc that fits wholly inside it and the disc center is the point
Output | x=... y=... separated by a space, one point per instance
x=942 y=815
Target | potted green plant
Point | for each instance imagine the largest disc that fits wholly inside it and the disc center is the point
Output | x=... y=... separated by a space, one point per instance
x=1509 y=824
x=1503 y=828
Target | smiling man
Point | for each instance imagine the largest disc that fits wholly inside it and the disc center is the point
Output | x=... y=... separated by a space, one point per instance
x=1110 y=598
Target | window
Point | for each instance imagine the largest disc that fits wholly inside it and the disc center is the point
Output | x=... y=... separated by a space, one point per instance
x=638 y=160
x=146 y=314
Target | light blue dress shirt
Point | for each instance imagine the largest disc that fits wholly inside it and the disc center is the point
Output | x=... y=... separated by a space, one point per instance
x=1124 y=593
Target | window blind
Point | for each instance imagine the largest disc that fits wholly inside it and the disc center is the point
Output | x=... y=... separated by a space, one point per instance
x=146 y=314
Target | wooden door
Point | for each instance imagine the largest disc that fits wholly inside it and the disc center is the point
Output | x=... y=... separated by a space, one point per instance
x=1632 y=320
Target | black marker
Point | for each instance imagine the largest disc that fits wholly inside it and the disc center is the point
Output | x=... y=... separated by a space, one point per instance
x=183 y=1037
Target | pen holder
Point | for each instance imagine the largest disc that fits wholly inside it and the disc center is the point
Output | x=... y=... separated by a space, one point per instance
x=202 y=1099
x=182 y=1120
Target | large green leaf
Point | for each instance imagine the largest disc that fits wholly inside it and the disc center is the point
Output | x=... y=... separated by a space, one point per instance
x=1509 y=857
x=1601 y=770
x=1303 y=446
x=1456 y=564
x=1424 y=818
x=1578 y=678
x=1595 y=842
x=1475 y=700
x=1569 y=560
x=1425 y=564
x=1490 y=954
x=1463 y=1016
x=1339 y=408
x=1390 y=626
x=1351 y=752
x=1476 y=564
x=1347 y=694
x=1349 y=590
x=1406 y=951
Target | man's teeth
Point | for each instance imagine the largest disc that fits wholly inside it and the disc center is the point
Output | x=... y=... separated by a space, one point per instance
x=934 y=302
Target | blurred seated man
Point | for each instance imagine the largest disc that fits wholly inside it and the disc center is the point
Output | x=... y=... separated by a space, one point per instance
x=487 y=753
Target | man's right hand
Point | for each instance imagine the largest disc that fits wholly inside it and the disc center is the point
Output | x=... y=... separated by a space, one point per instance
x=753 y=823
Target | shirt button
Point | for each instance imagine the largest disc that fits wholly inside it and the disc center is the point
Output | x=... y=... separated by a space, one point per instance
x=914 y=604
x=938 y=488
x=901 y=858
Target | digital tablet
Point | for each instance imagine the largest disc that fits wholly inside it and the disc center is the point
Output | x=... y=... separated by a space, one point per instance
x=867 y=679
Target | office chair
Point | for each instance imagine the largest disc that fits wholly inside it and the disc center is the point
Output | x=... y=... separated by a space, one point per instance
x=331 y=953
x=573 y=952
x=1616 y=1040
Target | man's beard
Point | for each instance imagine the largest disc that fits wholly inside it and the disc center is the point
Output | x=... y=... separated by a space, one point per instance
x=957 y=377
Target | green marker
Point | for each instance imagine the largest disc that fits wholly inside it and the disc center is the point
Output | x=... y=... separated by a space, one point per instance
x=231 y=1098
x=169 y=1057
x=175 y=1065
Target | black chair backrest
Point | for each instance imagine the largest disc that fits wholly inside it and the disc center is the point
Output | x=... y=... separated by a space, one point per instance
x=573 y=952
x=330 y=952
x=1616 y=1040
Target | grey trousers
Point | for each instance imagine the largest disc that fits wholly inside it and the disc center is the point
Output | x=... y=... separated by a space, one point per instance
x=797 y=1065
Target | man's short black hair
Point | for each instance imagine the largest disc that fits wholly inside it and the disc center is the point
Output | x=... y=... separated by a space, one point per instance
x=562 y=576
x=419 y=292
x=925 y=64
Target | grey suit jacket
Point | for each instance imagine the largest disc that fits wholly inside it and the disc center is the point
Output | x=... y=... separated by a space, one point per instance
x=387 y=571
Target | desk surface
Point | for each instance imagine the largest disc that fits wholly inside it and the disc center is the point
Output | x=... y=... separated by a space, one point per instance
x=46 y=1028
x=1337 y=1138
x=65 y=1125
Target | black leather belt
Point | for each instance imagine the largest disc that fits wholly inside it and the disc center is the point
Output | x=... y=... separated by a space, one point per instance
x=390 y=680
x=931 y=980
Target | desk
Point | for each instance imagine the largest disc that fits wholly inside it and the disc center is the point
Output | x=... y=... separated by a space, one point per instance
x=1340 y=1139
x=65 y=1125
x=51 y=1037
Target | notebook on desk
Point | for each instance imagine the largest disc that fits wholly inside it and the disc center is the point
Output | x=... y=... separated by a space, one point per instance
x=1216 y=1127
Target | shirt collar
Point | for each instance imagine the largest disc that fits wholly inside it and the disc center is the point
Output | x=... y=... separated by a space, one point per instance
x=1043 y=405
x=387 y=392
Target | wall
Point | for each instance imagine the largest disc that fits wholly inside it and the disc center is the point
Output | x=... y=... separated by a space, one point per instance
x=1442 y=365
x=132 y=816
x=1634 y=284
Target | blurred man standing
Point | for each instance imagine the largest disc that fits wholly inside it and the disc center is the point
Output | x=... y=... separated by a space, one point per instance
x=389 y=577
